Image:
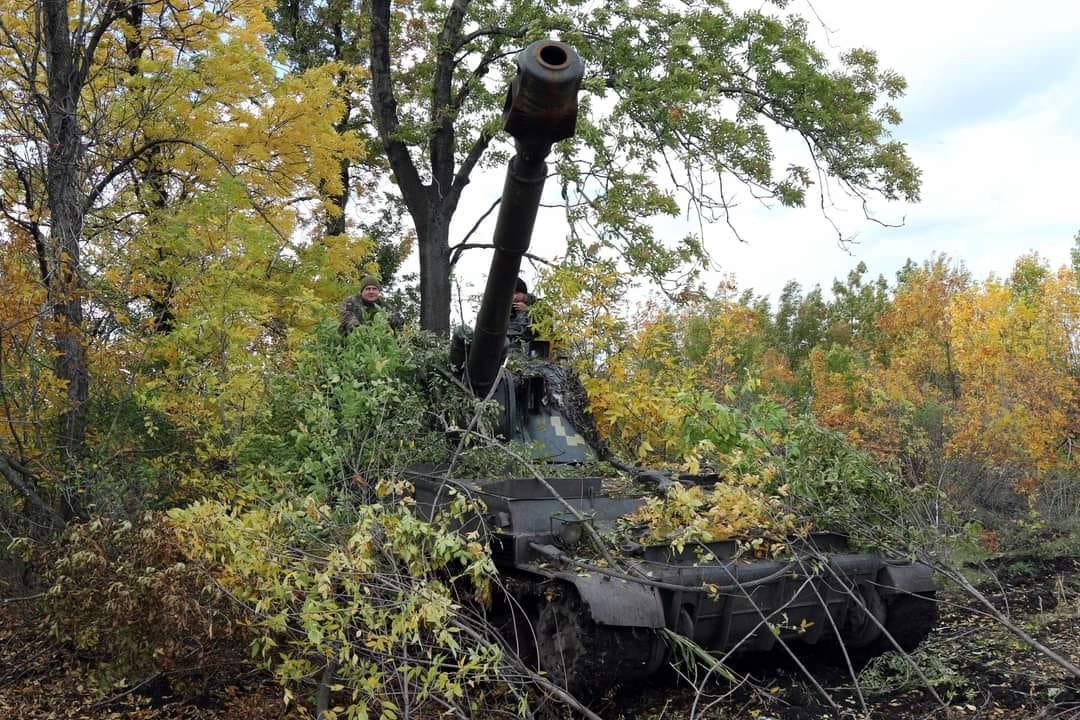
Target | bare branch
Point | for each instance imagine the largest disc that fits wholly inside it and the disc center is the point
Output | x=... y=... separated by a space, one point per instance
x=462 y=247
x=486 y=32
x=476 y=225
x=123 y=164
x=461 y=179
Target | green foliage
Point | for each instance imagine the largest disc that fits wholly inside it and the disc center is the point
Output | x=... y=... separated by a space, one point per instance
x=676 y=98
x=346 y=585
x=848 y=319
x=838 y=486
x=695 y=88
x=366 y=597
x=1074 y=257
x=350 y=411
x=892 y=673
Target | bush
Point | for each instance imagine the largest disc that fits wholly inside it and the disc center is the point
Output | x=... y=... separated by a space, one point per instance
x=350 y=411
x=126 y=595
x=839 y=487
x=371 y=598
x=351 y=593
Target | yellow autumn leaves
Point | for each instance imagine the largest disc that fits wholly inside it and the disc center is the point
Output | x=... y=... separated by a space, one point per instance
x=978 y=372
x=696 y=515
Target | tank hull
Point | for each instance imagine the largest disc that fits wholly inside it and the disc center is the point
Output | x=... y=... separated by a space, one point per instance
x=595 y=626
x=584 y=624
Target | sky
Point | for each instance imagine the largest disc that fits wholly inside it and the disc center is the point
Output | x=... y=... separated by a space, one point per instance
x=991 y=116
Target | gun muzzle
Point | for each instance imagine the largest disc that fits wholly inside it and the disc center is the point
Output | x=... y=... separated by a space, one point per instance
x=541 y=103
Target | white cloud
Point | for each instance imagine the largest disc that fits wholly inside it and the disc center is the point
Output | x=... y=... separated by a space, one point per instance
x=999 y=173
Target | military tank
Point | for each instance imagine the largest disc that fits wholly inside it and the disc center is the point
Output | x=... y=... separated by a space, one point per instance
x=590 y=624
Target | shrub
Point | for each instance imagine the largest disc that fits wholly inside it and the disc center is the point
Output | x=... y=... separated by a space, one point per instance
x=349 y=591
x=350 y=411
x=370 y=599
x=126 y=595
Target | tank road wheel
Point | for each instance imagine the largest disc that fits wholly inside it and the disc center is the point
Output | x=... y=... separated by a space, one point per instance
x=562 y=639
x=586 y=658
x=910 y=619
x=857 y=629
x=861 y=626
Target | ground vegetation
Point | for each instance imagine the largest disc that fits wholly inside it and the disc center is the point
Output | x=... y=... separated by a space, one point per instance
x=204 y=509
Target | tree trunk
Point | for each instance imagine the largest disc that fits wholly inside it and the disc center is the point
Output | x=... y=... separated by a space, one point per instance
x=66 y=223
x=44 y=521
x=434 y=248
x=430 y=205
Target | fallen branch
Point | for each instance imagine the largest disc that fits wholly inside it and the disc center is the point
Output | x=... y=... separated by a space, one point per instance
x=1015 y=629
x=24 y=598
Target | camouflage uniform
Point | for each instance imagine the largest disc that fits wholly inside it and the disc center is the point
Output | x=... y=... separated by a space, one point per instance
x=357 y=311
x=519 y=331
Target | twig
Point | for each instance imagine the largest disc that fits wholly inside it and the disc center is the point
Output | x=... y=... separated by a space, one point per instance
x=24 y=598
x=456 y=248
x=113 y=698
x=888 y=636
x=1016 y=630
x=840 y=642
x=540 y=680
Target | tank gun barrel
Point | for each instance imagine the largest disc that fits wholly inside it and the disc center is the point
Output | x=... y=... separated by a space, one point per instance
x=540 y=110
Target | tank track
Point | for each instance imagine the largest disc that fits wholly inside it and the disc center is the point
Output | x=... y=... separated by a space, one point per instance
x=580 y=655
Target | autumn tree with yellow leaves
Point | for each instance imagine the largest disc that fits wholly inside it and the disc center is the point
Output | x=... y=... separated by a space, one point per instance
x=979 y=373
x=1016 y=357
x=154 y=190
x=965 y=386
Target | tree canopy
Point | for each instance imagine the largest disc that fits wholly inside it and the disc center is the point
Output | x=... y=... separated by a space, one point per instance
x=154 y=160
x=682 y=106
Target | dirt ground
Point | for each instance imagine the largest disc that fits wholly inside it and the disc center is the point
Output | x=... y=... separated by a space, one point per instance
x=976 y=668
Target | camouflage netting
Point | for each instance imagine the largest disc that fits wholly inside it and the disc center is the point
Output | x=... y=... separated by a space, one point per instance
x=564 y=393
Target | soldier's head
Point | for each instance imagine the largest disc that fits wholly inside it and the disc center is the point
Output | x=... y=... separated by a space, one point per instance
x=370 y=289
x=521 y=292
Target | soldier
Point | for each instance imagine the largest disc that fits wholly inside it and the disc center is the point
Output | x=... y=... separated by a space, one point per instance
x=519 y=331
x=365 y=305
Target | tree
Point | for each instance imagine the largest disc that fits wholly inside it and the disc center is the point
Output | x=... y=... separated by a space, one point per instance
x=918 y=326
x=855 y=309
x=881 y=368
x=678 y=103
x=333 y=35
x=117 y=121
x=1074 y=255
x=799 y=325
x=961 y=380
x=1015 y=350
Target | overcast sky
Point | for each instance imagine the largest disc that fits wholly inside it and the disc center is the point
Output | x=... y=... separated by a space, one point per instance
x=991 y=116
